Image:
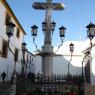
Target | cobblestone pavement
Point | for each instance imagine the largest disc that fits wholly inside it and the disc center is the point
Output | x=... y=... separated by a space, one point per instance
x=5 y=88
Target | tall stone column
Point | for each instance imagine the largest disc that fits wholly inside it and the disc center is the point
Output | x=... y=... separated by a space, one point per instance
x=47 y=48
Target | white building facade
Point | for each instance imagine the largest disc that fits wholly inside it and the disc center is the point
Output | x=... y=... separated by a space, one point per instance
x=61 y=61
x=62 y=58
x=29 y=62
x=8 y=61
x=89 y=64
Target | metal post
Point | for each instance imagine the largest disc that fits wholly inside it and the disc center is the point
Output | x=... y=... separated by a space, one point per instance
x=69 y=68
x=14 y=72
x=87 y=53
x=82 y=70
x=23 y=62
x=82 y=90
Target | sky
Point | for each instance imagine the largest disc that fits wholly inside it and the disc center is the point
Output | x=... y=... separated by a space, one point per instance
x=75 y=17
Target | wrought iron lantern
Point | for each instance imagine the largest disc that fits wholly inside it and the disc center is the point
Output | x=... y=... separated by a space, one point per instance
x=91 y=30
x=62 y=31
x=10 y=29
x=71 y=46
x=34 y=30
x=53 y=26
x=24 y=46
x=44 y=26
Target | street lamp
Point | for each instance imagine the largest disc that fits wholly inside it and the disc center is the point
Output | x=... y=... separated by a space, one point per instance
x=53 y=24
x=34 y=30
x=91 y=32
x=44 y=26
x=90 y=35
x=9 y=31
x=62 y=32
x=23 y=51
x=71 y=47
x=62 y=35
x=48 y=27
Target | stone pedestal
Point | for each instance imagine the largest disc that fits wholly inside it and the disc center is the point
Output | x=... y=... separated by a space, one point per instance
x=47 y=60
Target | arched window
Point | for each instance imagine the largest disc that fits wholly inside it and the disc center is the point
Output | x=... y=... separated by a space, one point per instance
x=4 y=49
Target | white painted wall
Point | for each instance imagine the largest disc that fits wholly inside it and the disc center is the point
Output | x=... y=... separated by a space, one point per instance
x=7 y=64
x=60 y=63
x=93 y=65
x=38 y=62
x=31 y=66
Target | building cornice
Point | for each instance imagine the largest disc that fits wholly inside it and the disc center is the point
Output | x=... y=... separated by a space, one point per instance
x=60 y=55
x=9 y=10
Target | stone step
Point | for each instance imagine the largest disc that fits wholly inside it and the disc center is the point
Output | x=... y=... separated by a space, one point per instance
x=89 y=89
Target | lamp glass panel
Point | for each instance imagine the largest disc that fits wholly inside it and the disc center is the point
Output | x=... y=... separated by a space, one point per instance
x=43 y=27
x=53 y=27
x=34 y=32
x=62 y=33
x=92 y=31
x=9 y=29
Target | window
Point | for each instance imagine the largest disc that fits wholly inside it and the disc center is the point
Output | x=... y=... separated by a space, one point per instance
x=8 y=18
x=18 y=32
x=16 y=55
x=30 y=59
x=4 y=48
x=27 y=58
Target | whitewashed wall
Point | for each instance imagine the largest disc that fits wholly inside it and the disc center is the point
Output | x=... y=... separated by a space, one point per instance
x=31 y=66
x=38 y=62
x=93 y=66
x=60 y=63
x=61 y=60
x=7 y=64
